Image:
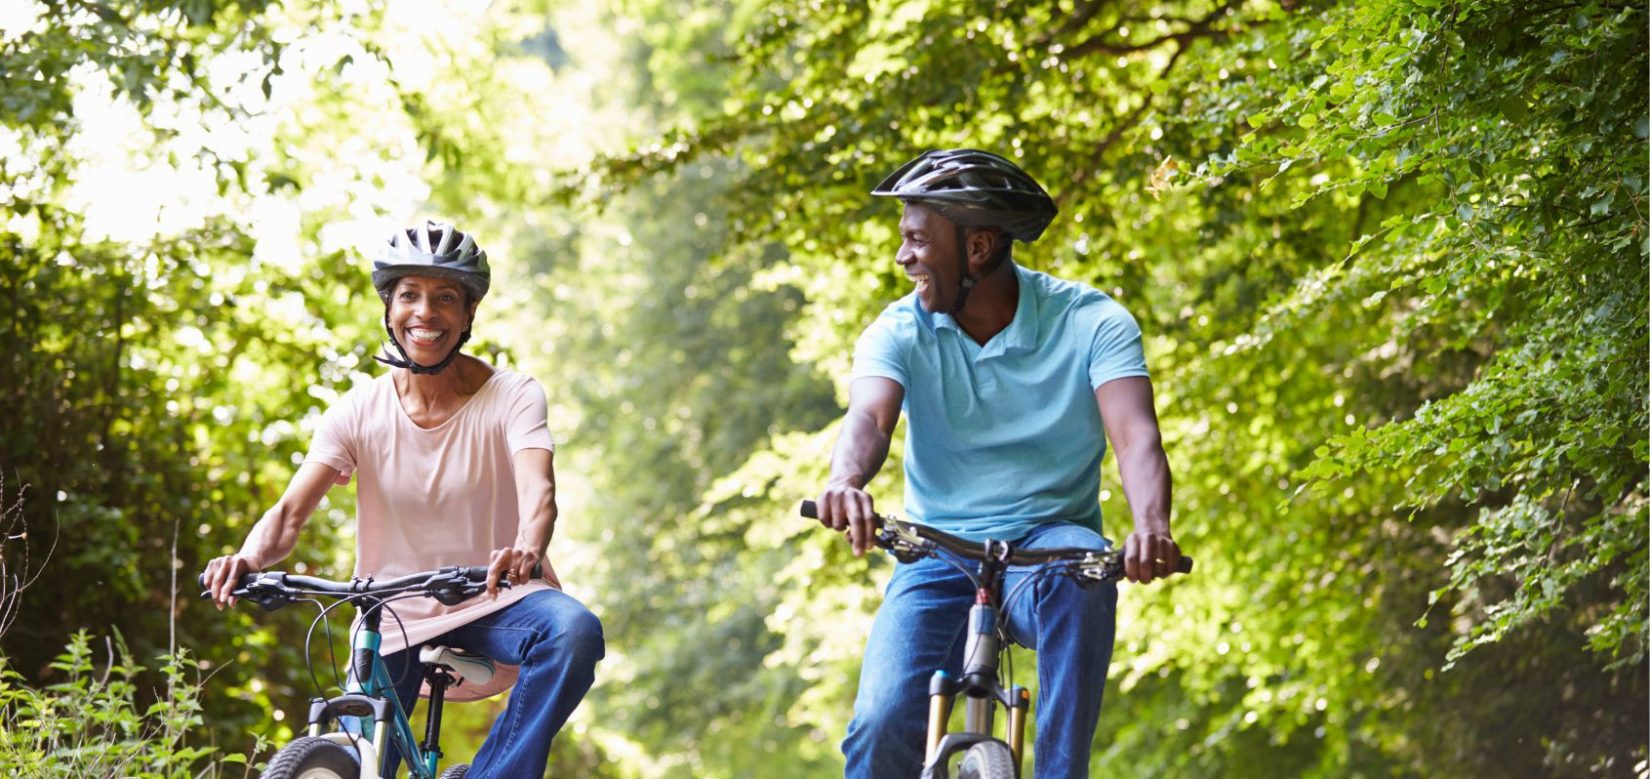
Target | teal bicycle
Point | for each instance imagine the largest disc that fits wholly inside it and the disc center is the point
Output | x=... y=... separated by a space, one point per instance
x=362 y=728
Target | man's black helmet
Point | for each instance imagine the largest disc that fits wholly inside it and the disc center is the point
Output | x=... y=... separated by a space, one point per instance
x=432 y=249
x=974 y=189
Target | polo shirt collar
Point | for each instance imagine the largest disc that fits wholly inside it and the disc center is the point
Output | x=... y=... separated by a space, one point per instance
x=1021 y=333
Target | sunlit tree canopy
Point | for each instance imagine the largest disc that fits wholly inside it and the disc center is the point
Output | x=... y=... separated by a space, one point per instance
x=1389 y=258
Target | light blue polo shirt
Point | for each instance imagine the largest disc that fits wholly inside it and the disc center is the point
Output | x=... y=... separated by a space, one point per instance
x=1003 y=437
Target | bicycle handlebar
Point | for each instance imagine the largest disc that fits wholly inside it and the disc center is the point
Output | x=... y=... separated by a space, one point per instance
x=977 y=551
x=450 y=585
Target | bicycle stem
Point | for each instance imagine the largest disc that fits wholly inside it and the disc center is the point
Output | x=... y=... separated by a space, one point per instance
x=362 y=657
x=980 y=675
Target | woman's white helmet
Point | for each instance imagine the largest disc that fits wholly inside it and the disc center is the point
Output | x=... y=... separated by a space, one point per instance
x=431 y=249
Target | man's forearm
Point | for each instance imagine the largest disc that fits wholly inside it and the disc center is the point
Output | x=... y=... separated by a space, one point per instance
x=860 y=451
x=1147 y=484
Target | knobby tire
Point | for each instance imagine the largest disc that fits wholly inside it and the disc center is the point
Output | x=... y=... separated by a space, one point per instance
x=987 y=760
x=313 y=758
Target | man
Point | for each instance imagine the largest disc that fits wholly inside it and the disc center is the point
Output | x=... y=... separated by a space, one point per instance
x=1005 y=375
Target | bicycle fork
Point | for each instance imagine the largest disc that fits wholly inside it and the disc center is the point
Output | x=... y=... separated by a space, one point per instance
x=982 y=690
x=370 y=705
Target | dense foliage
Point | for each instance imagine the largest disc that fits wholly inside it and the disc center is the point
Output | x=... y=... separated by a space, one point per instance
x=151 y=383
x=1389 y=257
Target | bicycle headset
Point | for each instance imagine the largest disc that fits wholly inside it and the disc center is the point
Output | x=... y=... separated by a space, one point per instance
x=432 y=249
x=973 y=188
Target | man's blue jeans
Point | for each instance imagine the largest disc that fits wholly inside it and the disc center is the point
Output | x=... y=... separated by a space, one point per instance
x=556 y=641
x=920 y=629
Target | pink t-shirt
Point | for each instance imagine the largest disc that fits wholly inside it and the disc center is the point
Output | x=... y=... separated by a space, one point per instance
x=429 y=498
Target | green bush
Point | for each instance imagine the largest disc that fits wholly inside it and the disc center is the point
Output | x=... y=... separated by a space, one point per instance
x=92 y=724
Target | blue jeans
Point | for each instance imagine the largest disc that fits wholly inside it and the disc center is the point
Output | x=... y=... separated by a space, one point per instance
x=556 y=641
x=920 y=629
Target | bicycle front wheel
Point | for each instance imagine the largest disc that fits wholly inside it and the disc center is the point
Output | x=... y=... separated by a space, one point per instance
x=313 y=758
x=987 y=760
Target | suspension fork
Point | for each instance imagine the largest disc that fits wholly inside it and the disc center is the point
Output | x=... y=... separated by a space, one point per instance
x=979 y=680
x=1017 y=724
x=941 y=689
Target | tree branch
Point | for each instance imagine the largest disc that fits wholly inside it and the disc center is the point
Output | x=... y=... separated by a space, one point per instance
x=1200 y=28
x=1080 y=15
x=1123 y=126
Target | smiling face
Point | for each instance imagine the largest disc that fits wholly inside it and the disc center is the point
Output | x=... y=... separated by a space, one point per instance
x=428 y=315
x=928 y=255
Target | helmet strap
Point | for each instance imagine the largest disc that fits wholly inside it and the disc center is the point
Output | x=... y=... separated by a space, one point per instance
x=970 y=279
x=407 y=362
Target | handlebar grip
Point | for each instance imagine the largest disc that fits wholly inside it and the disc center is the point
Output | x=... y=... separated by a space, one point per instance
x=809 y=509
x=246 y=579
x=1185 y=565
x=479 y=573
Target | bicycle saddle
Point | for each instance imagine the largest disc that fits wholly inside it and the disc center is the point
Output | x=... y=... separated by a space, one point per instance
x=467 y=666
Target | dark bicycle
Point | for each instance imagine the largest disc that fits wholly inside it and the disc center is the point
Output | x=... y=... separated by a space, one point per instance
x=984 y=756
x=335 y=750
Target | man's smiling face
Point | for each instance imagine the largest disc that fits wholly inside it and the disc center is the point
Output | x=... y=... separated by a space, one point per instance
x=928 y=253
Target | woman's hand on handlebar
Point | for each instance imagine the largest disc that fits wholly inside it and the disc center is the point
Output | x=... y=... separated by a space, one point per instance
x=844 y=507
x=223 y=574
x=517 y=563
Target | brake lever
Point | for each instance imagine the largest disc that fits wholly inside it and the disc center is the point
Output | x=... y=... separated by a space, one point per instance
x=454 y=587
x=269 y=592
x=451 y=588
x=1095 y=569
x=903 y=542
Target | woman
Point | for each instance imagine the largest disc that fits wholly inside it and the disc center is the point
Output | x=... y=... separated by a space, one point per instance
x=453 y=461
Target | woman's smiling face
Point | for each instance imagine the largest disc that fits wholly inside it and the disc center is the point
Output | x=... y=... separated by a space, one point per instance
x=428 y=315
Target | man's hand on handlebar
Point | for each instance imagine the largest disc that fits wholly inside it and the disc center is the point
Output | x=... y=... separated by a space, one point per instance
x=1148 y=555
x=844 y=507
x=223 y=574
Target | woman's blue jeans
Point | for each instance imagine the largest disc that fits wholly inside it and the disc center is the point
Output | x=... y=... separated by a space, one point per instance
x=557 y=642
x=920 y=629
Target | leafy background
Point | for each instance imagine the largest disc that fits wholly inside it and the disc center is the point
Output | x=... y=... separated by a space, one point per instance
x=1390 y=258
